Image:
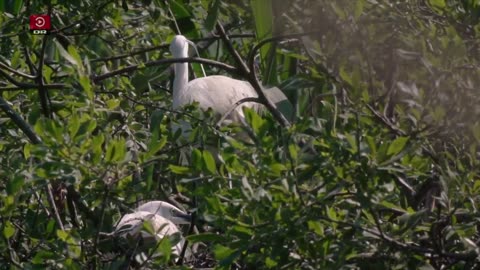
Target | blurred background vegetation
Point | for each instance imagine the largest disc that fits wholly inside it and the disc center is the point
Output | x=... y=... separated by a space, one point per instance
x=378 y=170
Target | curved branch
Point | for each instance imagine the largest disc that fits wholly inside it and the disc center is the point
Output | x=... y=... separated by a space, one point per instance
x=250 y=75
x=228 y=68
x=163 y=46
x=25 y=86
x=16 y=72
x=234 y=106
x=253 y=52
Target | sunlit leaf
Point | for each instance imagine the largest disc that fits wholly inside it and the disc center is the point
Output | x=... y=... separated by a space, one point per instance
x=397 y=145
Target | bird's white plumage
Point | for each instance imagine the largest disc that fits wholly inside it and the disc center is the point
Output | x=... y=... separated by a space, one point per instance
x=219 y=93
x=166 y=210
x=163 y=218
x=132 y=224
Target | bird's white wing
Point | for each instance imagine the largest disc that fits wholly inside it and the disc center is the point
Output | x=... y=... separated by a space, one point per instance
x=131 y=224
x=152 y=206
x=166 y=210
x=219 y=93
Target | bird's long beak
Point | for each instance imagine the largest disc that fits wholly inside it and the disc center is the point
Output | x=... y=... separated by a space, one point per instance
x=182 y=218
x=198 y=55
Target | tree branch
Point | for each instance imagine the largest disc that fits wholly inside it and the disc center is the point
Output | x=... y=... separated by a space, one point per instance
x=42 y=92
x=16 y=72
x=228 y=68
x=250 y=75
x=19 y=122
x=234 y=106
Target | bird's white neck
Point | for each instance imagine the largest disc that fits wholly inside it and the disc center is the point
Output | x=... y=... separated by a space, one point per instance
x=180 y=81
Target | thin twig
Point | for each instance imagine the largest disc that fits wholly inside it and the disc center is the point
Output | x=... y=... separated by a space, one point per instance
x=253 y=52
x=102 y=215
x=235 y=105
x=51 y=201
x=30 y=65
x=185 y=245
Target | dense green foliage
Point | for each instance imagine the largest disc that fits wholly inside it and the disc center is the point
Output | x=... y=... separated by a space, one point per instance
x=379 y=169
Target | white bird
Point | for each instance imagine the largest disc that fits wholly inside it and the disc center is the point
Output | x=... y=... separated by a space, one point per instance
x=163 y=219
x=166 y=210
x=219 y=93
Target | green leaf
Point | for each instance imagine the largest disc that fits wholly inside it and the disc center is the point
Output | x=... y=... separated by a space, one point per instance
x=276 y=169
x=16 y=184
x=165 y=248
x=242 y=232
x=155 y=146
x=116 y=150
x=212 y=15
x=87 y=127
x=43 y=255
x=183 y=19
x=255 y=121
x=179 y=9
x=155 y=121
x=281 y=102
x=345 y=76
x=437 y=3
x=65 y=54
x=87 y=86
x=8 y=230
x=316 y=226
x=178 y=169
x=197 y=160
x=209 y=161
x=270 y=263
x=73 y=125
x=222 y=252
x=11 y=6
x=149 y=175
x=63 y=235
x=410 y=220
x=359 y=5
x=392 y=206
x=397 y=145
x=97 y=149
x=112 y=103
x=293 y=151
x=263 y=15
x=27 y=150
x=77 y=59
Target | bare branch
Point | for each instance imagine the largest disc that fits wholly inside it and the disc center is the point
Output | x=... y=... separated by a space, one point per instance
x=163 y=46
x=228 y=68
x=42 y=92
x=252 y=79
x=18 y=120
x=51 y=201
x=253 y=52
x=16 y=72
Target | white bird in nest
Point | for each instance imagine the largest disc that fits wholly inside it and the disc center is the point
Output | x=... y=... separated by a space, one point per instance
x=163 y=219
